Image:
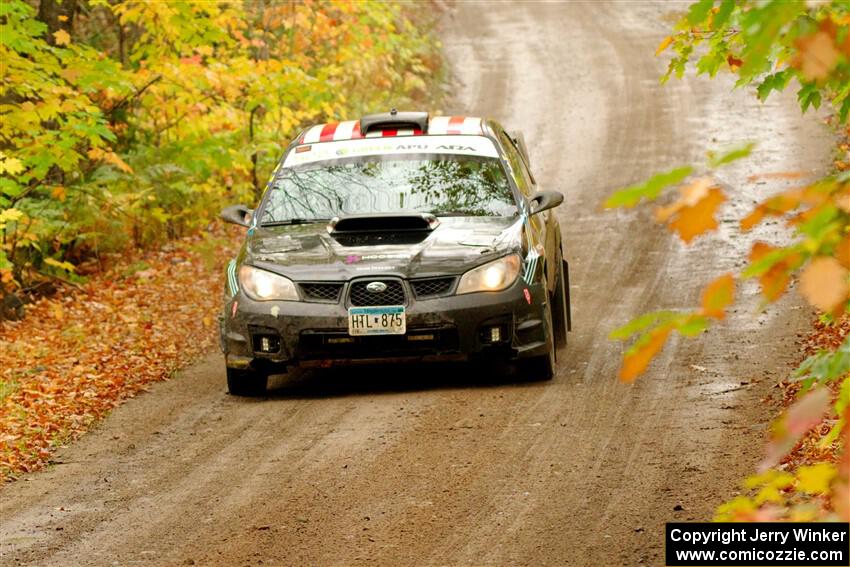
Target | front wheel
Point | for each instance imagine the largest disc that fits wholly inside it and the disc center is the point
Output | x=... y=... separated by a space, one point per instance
x=561 y=304
x=248 y=383
x=543 y=367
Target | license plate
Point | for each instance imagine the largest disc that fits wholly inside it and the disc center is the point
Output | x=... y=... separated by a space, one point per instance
x=382 y=320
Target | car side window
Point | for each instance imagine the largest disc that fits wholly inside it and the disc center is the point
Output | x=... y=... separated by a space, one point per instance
x=524 y=179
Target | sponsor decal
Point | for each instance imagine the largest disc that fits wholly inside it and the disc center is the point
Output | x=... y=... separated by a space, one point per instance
x=445 y=144
x=352 y=259
x=527 y=295
x=302 y=149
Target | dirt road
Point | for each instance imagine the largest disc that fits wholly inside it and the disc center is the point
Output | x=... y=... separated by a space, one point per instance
x=433 y=466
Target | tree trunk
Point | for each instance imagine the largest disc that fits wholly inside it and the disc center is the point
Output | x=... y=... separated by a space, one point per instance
x=58 y=15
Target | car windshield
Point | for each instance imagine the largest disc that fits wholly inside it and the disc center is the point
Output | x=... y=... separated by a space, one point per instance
x=441 y=184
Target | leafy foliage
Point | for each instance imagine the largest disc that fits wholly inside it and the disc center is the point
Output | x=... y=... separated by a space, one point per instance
x=137 y=121
x=769 y=45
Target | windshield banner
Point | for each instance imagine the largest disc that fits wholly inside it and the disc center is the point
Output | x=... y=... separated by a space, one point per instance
x=323 y=151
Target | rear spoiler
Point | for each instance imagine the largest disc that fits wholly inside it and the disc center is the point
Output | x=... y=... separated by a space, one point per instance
x=394 y=120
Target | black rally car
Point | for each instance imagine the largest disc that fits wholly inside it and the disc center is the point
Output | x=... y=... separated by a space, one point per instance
x=397 y=236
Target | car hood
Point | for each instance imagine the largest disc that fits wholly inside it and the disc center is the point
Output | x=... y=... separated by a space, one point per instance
x=309 y=252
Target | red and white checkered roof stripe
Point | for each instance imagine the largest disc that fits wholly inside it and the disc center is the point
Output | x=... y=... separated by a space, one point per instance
x=350 y=130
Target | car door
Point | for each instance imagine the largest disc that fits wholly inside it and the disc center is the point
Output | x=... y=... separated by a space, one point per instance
x=542 y=227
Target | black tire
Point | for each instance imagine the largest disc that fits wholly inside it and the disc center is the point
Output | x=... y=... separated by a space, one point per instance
x=560 y=305
x=248 y=383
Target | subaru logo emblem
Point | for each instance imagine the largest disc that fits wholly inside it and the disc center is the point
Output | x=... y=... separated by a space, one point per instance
x=376 y=287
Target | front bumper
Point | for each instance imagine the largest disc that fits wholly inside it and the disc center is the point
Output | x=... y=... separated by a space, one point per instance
x=453 y=327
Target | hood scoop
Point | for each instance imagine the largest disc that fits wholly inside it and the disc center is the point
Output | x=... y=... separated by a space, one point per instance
x=383 y=222
x=382 y=228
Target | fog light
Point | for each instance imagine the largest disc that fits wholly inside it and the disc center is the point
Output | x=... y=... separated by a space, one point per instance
x=495 y=334
x=266 y=343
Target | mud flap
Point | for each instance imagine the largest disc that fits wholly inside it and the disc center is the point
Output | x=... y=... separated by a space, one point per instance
x=569 y=294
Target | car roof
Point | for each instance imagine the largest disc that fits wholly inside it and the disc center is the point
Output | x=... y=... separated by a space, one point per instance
x=393 y=124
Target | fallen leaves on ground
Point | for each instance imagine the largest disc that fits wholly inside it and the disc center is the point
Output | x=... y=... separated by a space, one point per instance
x=81 y=353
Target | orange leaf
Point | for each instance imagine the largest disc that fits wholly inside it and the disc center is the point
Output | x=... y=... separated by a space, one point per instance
x=665 y=43
x=774 y=281
x=733 y=62
x=842 y=252
x=774 y=206
x=752 y=219
x=817 y=55
x=635 y=363
x=824 y=283
x=776 y=175
x=802 y=416
x=693 y=213
x=695 y=220
x=58 y=193
x=718 y=295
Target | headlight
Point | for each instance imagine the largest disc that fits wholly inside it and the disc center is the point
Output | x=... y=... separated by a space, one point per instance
x=493 y=276
x=265 y=286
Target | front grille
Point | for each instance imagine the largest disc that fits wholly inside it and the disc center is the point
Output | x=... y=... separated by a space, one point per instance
x=339 y=345
x=432 y=287
x=327 y=292
x=359 y=296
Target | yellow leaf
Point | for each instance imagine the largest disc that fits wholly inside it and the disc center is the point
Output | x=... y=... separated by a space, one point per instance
x=665 y=43
x=57 y=311
x=10 y=165
x=58 y=193
x=62 y=37
x=824 y=283
x=718 y=295
x=815 y=479
x=635 y=362
x=10 y=215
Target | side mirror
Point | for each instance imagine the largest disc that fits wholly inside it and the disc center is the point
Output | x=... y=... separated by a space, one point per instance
x=237 y=214
x=545 y=200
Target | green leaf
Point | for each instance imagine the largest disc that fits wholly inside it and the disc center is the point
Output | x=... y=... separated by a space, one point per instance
x=825 y=366
x=650 y=189
x=698 y=11
x=844 y=110
x=715 y=160
x=767 y=262
x=723 y=13
x=775 y=82
x=809 y=96
x=693 y=326
x=641 y=323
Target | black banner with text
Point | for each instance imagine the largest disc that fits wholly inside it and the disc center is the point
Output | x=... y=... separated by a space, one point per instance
x=758 y=544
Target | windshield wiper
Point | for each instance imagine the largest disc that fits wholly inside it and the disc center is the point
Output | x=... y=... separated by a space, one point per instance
x=289 y=222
